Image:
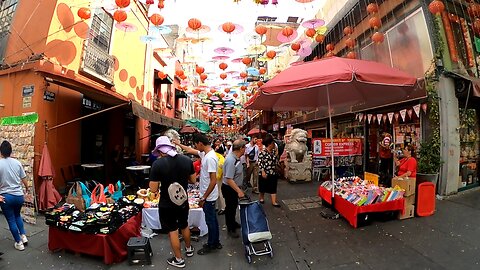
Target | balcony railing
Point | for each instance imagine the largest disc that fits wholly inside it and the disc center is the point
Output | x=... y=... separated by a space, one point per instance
x=96 y=62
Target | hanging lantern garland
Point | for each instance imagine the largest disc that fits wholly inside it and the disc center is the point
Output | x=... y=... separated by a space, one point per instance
x=436 y=7
x=84 y=13
x=119 y=15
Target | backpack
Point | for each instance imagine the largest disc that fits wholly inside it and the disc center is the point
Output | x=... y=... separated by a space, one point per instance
x=177 y=193
x=251 y=154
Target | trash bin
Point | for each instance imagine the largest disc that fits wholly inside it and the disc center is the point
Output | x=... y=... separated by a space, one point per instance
x=425 y=199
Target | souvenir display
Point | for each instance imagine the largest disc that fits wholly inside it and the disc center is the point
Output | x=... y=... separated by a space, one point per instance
x=98 y=218
x=359 y=192
x=21 y=137
x=193 y=195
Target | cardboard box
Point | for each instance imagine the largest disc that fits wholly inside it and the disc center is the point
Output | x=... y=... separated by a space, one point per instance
x=409 y=199
x=408 y=184
x=408 y=213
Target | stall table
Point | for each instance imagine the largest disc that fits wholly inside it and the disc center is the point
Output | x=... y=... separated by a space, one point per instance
x=112 y=247
x=196 y=218
x=350 y=211
x=139 y=174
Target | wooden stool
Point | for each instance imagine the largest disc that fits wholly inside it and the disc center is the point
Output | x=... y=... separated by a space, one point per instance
x=139 y=244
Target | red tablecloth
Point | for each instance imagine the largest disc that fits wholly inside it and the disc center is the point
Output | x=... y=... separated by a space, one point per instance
x=112 y=247
x=350 y=211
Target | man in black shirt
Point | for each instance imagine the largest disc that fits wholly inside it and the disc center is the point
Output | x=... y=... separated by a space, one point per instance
x=169 y=168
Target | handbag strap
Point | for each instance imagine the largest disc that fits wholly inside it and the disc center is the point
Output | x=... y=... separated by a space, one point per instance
x=100 y=191
x=84 y=188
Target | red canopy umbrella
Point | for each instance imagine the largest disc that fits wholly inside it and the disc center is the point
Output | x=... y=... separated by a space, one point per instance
x=336 y=85
x=188 y=129
x=255 y=131
x=48 y=195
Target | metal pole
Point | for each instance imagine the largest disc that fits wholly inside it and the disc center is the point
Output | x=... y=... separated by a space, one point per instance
x=331 y=145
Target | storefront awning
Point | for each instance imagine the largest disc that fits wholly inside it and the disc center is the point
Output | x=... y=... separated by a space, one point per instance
x=474 y=88
x=155 y=117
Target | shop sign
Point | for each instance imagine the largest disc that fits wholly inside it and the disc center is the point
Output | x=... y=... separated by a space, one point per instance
x=27 y=102
x=90 y=104
x=341 y=147
x=48 y=96
x=27 y=90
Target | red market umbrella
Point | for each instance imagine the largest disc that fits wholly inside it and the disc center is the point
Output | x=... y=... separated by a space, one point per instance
x=188 y=130
x=48 y=195
x=336 y=85
x=255 y=131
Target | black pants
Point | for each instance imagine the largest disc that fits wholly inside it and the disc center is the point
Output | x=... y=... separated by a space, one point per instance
x=231 y=204
x=385 y=171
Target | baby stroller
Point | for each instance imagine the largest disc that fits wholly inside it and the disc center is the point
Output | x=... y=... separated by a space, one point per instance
x=255 y=231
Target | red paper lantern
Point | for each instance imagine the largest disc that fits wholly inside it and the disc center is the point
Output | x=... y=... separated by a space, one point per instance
x=243 y=75
x=378 y=37
x=212 y=90
x=350 y=42
x=248 y=94
x=194 y=23
x=320 y=38
x=223 y=76
x=243 y=88
x=330 y=54
x=262 y=70
x=84 y=13
x=226 y=90
x=259 y=83
x=235 y=95
x=375 y=22
x=352 y=55
x=436 y=7
x=271 y=54
x=228 y=27
x=330 y=47
x=209 y=94
x=261 y=29
x=372 y=8
x=223 y=66
x=161 y=75
x=161 y=4
x=246 y=60
x=347 y=30
x=295 y=46
x=122 y=3
x=199 y=69
x=222 y=95
x=179 y=72
x=156 y=19
x=119 y=15
x=183 y=77
x=203 y=77
x=287 y=31
x=310 y=32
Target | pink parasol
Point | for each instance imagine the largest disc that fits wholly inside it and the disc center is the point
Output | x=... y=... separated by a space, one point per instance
x=126 y=27
x=223 y=50
x=286 y=39
x=237 y=60
x=220 y=57
x=48 y=195
x=202 y=30
x=304 y=51
x=313 y=23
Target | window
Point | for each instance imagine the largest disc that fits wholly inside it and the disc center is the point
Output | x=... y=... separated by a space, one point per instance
x=7 y=9
x=101 y=29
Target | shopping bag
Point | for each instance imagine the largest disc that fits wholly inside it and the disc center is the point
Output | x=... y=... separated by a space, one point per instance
x=74 y=197
x=115 y=191
x=98 y=195
x=86 y=194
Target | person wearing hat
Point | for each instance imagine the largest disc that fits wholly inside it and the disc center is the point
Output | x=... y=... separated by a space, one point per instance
x=171 y=167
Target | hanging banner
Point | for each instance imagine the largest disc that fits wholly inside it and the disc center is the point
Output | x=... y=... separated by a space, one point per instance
x=396 y=115
x=341 y=147
x=384 y=118
x=369 y=117
x=416 y=109
x=424 y=107
x=379 y=118
x=360 y=117
x=390 y=116
x=410 y=112
x=356 y=116
x=403 y=114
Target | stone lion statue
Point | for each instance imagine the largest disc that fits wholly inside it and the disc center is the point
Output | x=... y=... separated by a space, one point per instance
x=297 y=146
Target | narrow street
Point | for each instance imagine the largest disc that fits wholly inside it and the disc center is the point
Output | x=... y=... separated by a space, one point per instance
x=303 y=239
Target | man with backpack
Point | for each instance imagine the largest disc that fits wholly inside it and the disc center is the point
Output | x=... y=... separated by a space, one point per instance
x=173 y=172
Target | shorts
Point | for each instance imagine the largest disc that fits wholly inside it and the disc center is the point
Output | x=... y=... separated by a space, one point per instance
x=173 y=218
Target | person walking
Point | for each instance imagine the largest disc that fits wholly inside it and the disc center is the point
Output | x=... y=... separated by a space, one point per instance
x=251 y=157
x=267 y=161
x=12 y=176
x=208 y=188
x=232 y=180
x=170 y=168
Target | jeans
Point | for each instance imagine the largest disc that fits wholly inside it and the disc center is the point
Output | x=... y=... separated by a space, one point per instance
x=231 y=200
x=212 y=223
x=11 y=209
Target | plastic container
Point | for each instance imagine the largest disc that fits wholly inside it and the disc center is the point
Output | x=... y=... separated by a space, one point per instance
x=425 y=199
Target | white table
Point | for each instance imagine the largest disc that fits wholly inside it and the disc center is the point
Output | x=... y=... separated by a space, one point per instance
x=91 y=165
x=143 y=168
x=140 y=175
x=196 y=218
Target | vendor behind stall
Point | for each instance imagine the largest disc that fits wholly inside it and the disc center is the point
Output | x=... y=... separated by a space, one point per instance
x=407 y=166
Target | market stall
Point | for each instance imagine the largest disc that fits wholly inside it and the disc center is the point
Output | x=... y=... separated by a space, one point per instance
x=354 y=196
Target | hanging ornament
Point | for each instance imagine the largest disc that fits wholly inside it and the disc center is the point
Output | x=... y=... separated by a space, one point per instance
x=243 y=75
x=157 y=19
x=330 y=54
x=243 y=88
x=473 y=9
x=261 y=29
x=247 y=60
x=320 y=38
x=379 y=118
x=259 y=83
x=223 y=76
x=287 y=31
x=403 y=113
x=199 y=70
x=372 y=8
x=436 y=7
x=369 y=117
x=226 y=90
x=347 y=30
x=223 y=66
x=378 y=37
x=195 y=24
x=295 y=46
x=122 y=3
x=203 y=77
x=119 y=15
x=410 y=112
x=161 y=4
x=84 y=13
x=235 y=95
x=262 y=70
x=360 y=117
x=271 y=54
x=330 y=47
x=310 y=32
x=416 y=109
x=179 y=72
x=228 y=27
x=384 y=118
x=390 y=116
x=375 y=22
x=424 y=107
x=396 y=115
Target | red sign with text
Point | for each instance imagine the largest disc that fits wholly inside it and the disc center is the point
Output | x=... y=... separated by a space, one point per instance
x=341 y=147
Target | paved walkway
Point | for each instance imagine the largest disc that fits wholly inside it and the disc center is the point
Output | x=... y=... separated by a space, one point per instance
x=303 y=239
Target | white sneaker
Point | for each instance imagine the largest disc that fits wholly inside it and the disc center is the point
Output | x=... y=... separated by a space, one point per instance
x=24 y=239
x=19 y=246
